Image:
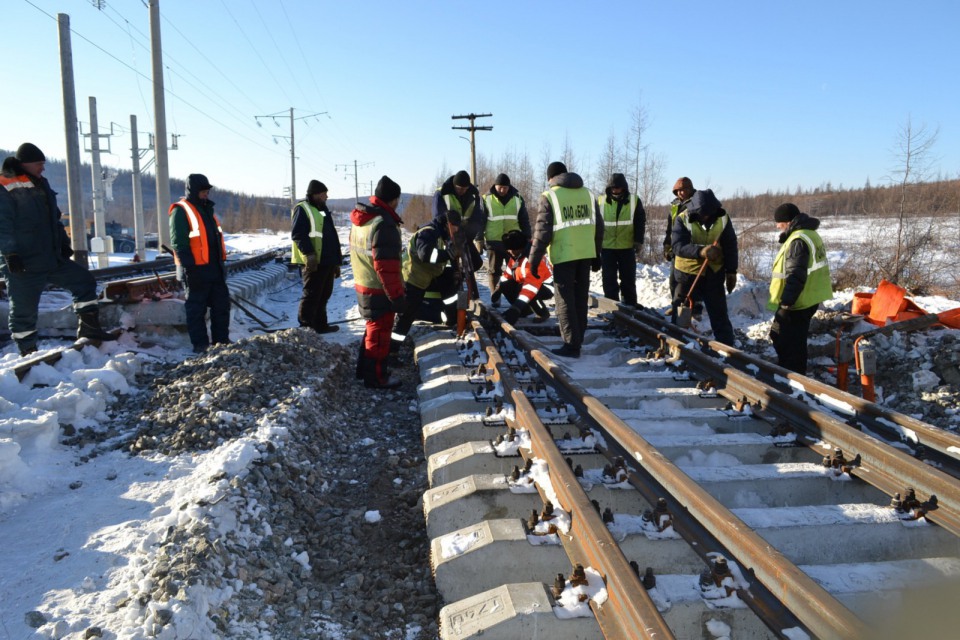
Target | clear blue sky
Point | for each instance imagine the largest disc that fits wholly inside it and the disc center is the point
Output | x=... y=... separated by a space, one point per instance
x=741 y=95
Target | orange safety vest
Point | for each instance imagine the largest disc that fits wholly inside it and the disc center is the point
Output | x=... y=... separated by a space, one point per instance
x=198 y=233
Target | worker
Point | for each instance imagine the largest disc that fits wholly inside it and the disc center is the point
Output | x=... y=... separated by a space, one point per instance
x=506 y=211
x=316 y=247
x=525 y=289
x=624 y=225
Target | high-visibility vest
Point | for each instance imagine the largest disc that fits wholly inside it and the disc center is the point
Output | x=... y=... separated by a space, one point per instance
x=817 y=288
x=361 y=254
x=316 y=217
x=501 y=217
x=199 y=245
x=574 y=226
x=417 y=272
x=617 y=231
x=453 y=203
x=699 y=235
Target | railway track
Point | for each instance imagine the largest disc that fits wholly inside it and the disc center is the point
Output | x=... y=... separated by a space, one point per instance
x=667 y=486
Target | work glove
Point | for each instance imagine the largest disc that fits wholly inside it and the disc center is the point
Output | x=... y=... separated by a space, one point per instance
x=710 y=253
x=595 y=265
x=311 y=265
x=511 y=315
x=667 y=252
x=15 y=263
x=731 y=279
x=66 y=251
x=399 y=305
x=638 y=250
x=534 y=265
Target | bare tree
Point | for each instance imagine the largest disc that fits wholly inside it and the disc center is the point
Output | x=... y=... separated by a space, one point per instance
x=637 y=141
x=912 y=152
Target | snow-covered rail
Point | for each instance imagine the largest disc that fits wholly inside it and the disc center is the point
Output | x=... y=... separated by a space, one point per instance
x=741 y=510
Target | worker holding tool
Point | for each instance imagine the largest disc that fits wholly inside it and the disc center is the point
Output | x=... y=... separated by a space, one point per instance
x=200 y=254
x=801 y=281
x=316 y=247
x=459 y=194
x=682 y=190
x=705 y=261
x=525 y=289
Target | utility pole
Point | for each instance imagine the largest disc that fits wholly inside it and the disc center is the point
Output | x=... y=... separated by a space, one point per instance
x=292 y=139
x=78 y=235
x=101 y=244
x=139 y=248
x=355 y=174
x=473 y=142
x=160 y=127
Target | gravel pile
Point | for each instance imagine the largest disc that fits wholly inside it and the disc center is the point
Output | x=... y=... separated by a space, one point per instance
x=326 y=567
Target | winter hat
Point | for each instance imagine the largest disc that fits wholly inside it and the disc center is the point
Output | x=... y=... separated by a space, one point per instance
x=503 y=180
x=555 y=169
x=704 y=204
x=197 y=182
x=461 y=179
x=453 y=217
x=28 y=152
x=387 y=190
x=682 y=182
x=316 y=186
x=786 y=212
x=514 y=240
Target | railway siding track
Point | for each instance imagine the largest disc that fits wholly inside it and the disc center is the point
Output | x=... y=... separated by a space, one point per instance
x=690 y=499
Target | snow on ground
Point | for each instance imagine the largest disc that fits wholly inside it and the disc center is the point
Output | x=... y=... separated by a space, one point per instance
x=77 y=521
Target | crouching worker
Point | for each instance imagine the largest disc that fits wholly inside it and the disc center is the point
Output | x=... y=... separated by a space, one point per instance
x=524 y=288
x=375 y=258
x=36 y=251
x=428 y=266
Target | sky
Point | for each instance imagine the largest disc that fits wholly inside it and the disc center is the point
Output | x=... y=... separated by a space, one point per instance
x=107 y=513
x=752 y=95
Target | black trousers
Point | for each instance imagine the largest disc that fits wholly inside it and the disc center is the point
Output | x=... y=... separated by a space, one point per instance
x=572 y=282
x=206 y=288
x=619 y=274
x=317 y=289
x=789 y=333
x=445 y=283
x=711 y=292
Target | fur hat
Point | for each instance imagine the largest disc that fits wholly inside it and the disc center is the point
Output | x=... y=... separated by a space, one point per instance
x=316 y=186
x=786 y=212
x=514 y=240
x=29 y=152
x=461 y=179
x=387 y=190
x=555 y=169
x=682 y=182
x=503 y=180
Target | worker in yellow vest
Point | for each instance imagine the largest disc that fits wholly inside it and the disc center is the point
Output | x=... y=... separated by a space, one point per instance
x=624 y=225
x=506 y=211
x=569 y=228
x=801 y=281
x=316 y=246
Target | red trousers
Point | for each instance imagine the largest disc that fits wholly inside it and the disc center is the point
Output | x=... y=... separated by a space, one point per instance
x=376 y=340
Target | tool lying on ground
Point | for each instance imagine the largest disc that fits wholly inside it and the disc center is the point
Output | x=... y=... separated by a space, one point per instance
x=249 y=313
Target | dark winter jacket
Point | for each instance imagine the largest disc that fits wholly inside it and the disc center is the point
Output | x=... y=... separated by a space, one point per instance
x=704 y=209
x=473 y=227
x=677 y=206
x=330 y=252
x=180 y=240
x=797 y=259
x=543 y=227
x=30 y=220
x=386 y=247
x=639 y=215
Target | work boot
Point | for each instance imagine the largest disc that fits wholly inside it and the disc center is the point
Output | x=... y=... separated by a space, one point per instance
x=26 y=349
x=327 y=328
x=375 y=375
x=567 y=351
x=89 y=327
x=361 y=358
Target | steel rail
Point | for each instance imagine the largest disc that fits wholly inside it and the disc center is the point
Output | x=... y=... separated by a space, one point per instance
x=879 y=418
x=882 y=466
x=630 y=612
x=813 y=606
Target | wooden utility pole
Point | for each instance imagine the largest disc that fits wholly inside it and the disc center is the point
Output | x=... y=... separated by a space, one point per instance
x=473 y=142
x=78 y=235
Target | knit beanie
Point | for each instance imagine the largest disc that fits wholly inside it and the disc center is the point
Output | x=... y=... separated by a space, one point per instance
x=387 y=190
x=28 y=152
x=682 y=182
x=514 y=240
x=197 y=182
x=316 y=186
x=786 y=212
x=461 y=179
x=503 y=180
x=555 y=169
